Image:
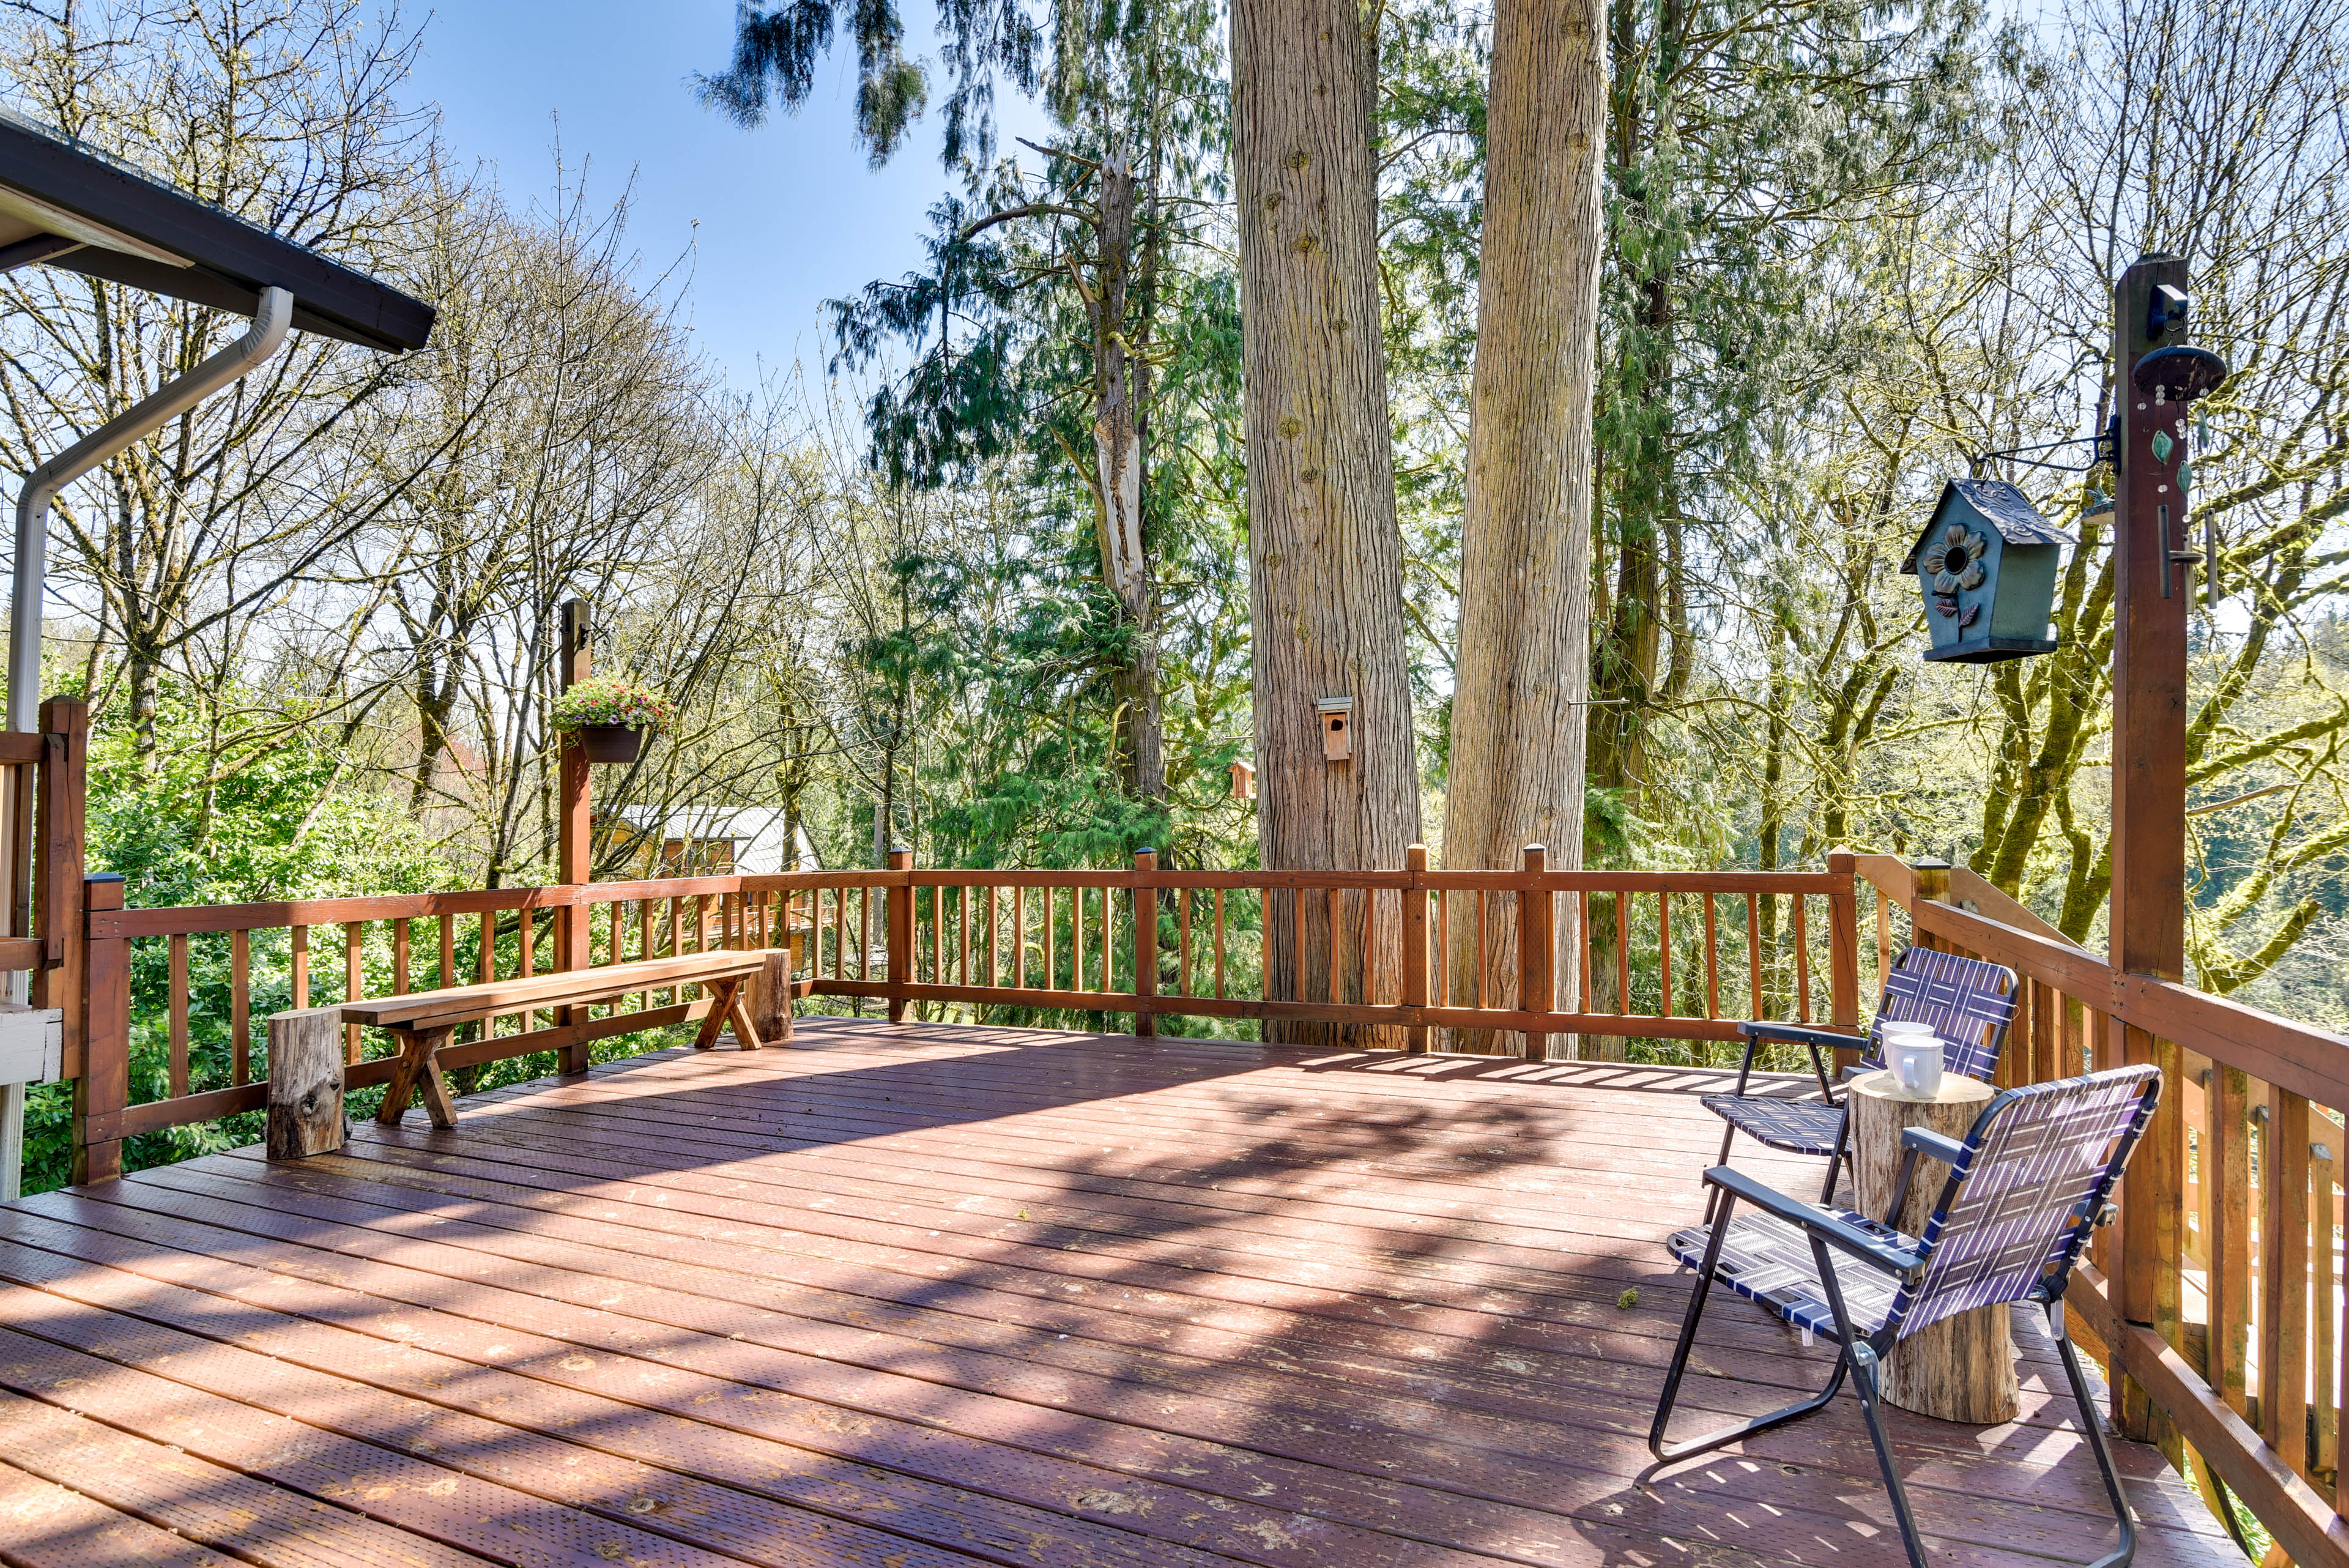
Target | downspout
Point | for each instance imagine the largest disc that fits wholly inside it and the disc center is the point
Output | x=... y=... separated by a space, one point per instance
x=41 y=487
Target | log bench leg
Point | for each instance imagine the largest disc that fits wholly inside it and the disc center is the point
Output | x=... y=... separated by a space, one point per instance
x=419 y=1071
x=721 y=1002
x=738 y=1011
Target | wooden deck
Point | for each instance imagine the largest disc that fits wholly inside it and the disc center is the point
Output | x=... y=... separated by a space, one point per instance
x=926 y=1294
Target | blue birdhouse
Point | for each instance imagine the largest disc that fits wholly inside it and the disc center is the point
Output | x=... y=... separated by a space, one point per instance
x=1986 y=565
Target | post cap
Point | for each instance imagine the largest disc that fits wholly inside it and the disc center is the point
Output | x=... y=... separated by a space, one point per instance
x=1543 y=847
x=103 y=877
x=1145 y=849
x=1929 y=864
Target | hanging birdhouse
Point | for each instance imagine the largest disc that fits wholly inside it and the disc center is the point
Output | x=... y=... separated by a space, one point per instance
x=1243 y=781
x=1986 y=565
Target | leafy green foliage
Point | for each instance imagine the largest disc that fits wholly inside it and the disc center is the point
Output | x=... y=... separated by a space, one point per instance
x=235 y=804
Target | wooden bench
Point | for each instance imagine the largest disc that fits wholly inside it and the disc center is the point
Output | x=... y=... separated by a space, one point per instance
x=423 y=1021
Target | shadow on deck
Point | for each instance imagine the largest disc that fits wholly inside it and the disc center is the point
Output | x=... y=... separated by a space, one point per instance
x=928 y=1295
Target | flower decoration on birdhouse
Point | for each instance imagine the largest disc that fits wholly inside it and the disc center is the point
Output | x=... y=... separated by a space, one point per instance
x=1955 y=561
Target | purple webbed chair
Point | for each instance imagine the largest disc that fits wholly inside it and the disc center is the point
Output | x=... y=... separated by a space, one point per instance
x=1968 y=1003
x=2025 y=1190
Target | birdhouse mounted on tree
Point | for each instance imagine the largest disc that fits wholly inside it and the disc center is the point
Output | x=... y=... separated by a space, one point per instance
x=1243 y=781
x=1986 y=565
x=1337 y=728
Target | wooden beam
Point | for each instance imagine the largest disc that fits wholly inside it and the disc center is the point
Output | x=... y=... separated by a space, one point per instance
x=899 y=936
x=1536 y=947
x=573 y=863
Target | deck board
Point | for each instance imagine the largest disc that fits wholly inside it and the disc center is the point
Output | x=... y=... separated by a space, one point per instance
x=926 y=1294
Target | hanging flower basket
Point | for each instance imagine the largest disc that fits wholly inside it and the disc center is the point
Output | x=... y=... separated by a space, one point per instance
x=610 y=743
x=610 y=717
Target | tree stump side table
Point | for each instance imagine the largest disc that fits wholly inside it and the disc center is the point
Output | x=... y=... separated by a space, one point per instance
x=1962 y=1367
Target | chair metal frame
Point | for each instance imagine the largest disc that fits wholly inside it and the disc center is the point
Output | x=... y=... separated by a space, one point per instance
x=1906 y=1259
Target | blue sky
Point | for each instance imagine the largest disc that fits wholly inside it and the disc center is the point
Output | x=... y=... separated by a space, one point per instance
x=789 y=214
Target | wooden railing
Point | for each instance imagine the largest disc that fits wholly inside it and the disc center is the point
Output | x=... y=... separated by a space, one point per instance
x=1410 y=949
x=2219 y=1296
x=1369 y=949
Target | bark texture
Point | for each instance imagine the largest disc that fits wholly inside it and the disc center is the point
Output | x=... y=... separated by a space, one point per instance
x=1324 y=558
x=1523 y=662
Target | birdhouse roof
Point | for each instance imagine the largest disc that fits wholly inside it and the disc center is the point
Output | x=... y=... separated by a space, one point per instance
x=1992 y=502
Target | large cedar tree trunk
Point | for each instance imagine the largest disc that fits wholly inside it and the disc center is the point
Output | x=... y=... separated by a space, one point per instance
x=1517 y=734
x=1324 y=558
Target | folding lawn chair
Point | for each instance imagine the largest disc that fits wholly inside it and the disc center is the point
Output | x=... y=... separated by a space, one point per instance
x=1968 y=1003
x=2031 y=1181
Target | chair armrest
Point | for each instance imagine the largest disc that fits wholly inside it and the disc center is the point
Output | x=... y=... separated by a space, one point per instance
x=1850 y=1239
x=1933 y=1144
x=1803 y=1034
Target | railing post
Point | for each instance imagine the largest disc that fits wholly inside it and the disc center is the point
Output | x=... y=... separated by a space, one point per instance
x=1145 y=943
x=900 y=934
x=1536 y=949
x=104 y=1087
x=572 y=942
x=1414 y=944
x=1843 y=950
x=55 y=849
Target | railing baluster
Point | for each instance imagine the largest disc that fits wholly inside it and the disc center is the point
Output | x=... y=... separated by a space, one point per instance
x=298 y=964
x=1108 y=937
x=1582 y=946
x=1802 y=963
x=1622 y=951
x=1018 y=938
x=1183 y=921
x=1443 y=963
x=1754 y=951
x=1076 y=938
x=2283 y=1284
x=645 y=947
x=526 y=960
x=1051 y=946
x=1711 y=963
x=240 y=1005
x=178 y=1013
x=1336 y=905
x=354 y=984
x=962 y=930
x=400 y=940
x=1297 y=983
x=994 y=939
x=1482 y=928
x=1665 y=952
x=2324 y=1303
x=488 y=965
x=1883 y=938
x=1219 y=942
x=447 y=975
